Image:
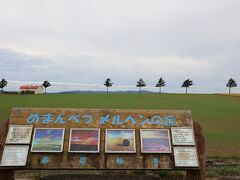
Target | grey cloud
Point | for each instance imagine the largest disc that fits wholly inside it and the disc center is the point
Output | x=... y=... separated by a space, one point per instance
x=88 y=72
x=88 y=41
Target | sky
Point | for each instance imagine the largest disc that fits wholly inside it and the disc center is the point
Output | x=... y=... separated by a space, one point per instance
x=54 y=136
x=78 y=44
x=148 y=134
x=89 y=137
x=127 y=134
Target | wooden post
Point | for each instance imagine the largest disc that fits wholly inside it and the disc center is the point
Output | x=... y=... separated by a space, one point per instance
x=200 y=143
x=5 y=174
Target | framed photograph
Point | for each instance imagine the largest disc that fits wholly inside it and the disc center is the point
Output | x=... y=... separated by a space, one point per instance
x=185 y=157
x=48 y=140
x=155 y=141
x=85 y=140
x=15 y=155
x=19 y=134
x=182 y=136
x=120 y=141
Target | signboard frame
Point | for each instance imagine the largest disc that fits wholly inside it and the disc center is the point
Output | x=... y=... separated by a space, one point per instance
x=62 y=142
x=183 y=144
x=127 y=152
x=194 y=151
x=25 y=150
x=158 y=152
x=10 y=129
x=84 y=129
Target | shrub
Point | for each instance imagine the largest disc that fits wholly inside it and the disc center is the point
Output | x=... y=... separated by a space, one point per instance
x=26 y=92
x=10 y=92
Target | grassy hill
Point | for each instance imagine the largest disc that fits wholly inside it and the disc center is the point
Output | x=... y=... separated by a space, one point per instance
x=218 y=115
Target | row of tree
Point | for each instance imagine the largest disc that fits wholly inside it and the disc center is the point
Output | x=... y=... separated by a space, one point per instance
x=141 y=83
x=161 y=83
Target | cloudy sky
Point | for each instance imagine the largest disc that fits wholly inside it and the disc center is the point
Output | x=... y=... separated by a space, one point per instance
x=77 y=44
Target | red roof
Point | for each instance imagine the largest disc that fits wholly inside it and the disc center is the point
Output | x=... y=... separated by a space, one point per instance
x=30 y=87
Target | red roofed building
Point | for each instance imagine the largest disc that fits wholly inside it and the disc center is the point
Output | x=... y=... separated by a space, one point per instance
x=34 y=88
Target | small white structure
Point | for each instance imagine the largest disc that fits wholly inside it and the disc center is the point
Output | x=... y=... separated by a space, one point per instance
x=34 y=88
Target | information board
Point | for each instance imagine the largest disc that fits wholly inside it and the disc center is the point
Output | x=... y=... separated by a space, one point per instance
x=19 y=134
x=182 y=136
x=105 y=138
x=185 y=157
x=15 y=155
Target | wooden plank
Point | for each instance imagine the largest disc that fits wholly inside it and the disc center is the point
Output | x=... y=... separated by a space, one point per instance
x=4 y=173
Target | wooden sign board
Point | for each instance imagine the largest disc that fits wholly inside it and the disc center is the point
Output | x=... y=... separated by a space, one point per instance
x=115 y=139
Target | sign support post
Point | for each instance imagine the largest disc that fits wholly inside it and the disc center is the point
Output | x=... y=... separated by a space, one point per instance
x=200 y=143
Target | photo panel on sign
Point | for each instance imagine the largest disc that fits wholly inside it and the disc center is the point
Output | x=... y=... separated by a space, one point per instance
x=19 y=134
x=155 y=141
x=120 y=141
x=182 y=136
x=84 y=140
x=15 y=155
x=48 y=140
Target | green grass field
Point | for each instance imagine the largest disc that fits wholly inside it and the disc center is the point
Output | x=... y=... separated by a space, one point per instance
x=218 y=115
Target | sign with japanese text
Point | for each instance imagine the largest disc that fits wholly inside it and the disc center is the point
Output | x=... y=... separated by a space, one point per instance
x=15 y=155
x=102 y=138
x=182 y=136
x=19 y=134
x=185 y=157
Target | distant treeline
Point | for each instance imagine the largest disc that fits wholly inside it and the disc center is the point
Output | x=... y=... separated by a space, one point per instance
x=108 y=83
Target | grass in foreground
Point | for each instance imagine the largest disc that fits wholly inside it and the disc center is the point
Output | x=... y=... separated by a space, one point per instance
x=223 y=171
x=218 y=115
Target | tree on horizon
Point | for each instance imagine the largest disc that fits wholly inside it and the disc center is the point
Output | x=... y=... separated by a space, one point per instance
x=46 y=84
x=108 y=83
x=161 y=83
x=186 y=84
x=231 y=83
x=141 y=84
x=3 y=83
